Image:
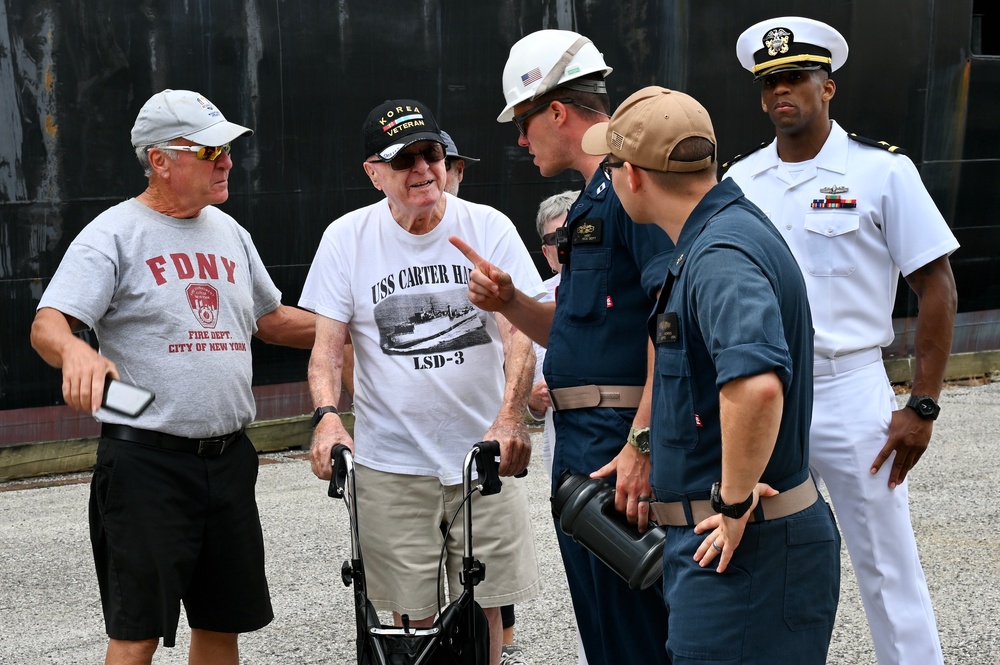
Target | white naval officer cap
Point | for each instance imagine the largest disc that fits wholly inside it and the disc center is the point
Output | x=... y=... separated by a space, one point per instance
x=790 y=42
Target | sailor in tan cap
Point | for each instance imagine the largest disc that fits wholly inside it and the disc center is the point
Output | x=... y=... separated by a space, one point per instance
x=733 y=352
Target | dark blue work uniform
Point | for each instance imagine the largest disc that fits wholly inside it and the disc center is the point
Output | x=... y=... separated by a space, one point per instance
x=732 y=306
x=598 y=337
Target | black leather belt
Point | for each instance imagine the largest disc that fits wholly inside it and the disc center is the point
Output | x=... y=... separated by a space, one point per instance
x=207 y=447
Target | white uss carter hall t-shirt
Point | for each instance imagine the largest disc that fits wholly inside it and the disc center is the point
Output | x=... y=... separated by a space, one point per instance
x=429 y=375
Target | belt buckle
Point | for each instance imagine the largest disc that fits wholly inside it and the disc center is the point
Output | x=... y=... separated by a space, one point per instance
x=211 y=447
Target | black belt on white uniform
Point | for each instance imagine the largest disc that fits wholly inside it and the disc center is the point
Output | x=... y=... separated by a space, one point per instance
x=212 y=446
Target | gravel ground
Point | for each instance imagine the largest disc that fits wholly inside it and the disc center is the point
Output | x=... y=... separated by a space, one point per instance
x=51 y=612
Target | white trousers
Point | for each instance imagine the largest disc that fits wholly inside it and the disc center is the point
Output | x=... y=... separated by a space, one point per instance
x=851 y=415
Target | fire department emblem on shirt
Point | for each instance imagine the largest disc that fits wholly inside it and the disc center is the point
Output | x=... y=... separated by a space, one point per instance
x=204 y=302
x=777 y=41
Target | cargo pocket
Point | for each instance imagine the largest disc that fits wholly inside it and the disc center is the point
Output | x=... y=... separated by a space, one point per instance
x=709 y=633
x=812 y=569
x=830 y=242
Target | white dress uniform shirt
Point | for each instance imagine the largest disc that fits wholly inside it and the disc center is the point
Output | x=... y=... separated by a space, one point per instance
x=851 y=257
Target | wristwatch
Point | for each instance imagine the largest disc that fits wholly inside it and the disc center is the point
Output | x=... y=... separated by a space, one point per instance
x=925 y=406
x=639 y=439
x=732 y=510
x=320 y=412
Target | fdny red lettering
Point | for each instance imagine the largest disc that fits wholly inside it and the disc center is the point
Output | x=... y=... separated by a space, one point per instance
x=230 y=267
x=183 y=266
x=205 y=266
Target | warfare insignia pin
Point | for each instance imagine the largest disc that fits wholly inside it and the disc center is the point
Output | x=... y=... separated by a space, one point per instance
x=834 y=189
x=777 y=41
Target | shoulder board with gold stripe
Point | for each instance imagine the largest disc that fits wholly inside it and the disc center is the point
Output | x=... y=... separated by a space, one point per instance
x=896 y=150
x=745 y=154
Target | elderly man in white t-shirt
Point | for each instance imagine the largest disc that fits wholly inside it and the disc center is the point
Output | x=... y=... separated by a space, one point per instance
x=433 y=374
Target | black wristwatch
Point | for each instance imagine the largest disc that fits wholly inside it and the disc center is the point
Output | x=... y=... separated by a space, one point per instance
x=925 y=406
x=320 y=412
x=732 y=510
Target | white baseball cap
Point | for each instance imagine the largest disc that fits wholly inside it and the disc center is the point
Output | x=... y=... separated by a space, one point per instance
x=175 y=114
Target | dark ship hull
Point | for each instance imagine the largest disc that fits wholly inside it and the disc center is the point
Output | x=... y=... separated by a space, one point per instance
x=73 y=74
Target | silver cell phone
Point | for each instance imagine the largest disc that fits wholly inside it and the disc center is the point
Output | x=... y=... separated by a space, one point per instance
x=125 y=398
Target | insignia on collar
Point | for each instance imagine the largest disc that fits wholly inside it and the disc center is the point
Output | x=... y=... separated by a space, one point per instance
x=778 y=40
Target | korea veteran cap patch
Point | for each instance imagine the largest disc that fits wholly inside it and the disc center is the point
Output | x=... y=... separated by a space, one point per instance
x=395 y=124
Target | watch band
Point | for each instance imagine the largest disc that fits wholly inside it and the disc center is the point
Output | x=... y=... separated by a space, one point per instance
x=731 y=510
x=320 y=412
x=925 y=406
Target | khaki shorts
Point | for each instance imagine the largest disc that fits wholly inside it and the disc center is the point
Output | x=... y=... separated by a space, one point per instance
x=401 y=519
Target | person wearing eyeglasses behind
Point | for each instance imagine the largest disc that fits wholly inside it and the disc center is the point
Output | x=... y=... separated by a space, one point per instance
x=174 y=290
x=551 y=216
x=596 y=359
x=433 y=374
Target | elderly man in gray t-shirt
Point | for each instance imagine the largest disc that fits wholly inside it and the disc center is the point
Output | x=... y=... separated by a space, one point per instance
x=174 y=290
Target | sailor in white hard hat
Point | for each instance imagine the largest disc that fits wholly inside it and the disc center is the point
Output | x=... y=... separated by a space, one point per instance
x=554 y=91
x=550 y=59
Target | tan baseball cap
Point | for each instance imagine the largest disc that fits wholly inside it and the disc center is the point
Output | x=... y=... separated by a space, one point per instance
x=647 y=127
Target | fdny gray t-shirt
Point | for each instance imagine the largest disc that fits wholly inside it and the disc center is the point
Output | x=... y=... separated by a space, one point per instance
x=174 y=303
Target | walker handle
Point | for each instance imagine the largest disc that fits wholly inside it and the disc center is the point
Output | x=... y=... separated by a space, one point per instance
x=339 y=456
x=487 y=453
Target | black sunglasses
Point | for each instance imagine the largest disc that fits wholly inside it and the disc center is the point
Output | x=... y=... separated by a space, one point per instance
x=521 y=117
x=549 y=239
x=606 y=166
x=404 y=161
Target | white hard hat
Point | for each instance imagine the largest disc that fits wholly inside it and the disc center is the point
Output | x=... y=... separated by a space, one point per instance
x=545 y=60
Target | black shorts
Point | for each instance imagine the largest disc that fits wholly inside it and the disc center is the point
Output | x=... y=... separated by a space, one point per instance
x=168 y=527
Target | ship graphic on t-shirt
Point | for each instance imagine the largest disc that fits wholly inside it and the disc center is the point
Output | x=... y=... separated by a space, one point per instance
x=429 y=322
x=430 y=325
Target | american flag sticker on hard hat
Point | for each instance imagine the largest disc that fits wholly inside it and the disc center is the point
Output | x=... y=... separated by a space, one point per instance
x=532 y=76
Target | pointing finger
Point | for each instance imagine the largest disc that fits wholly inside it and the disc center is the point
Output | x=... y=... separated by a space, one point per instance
x=470 y=253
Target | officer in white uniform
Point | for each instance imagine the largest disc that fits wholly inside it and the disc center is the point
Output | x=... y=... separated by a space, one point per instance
x=855 y=214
